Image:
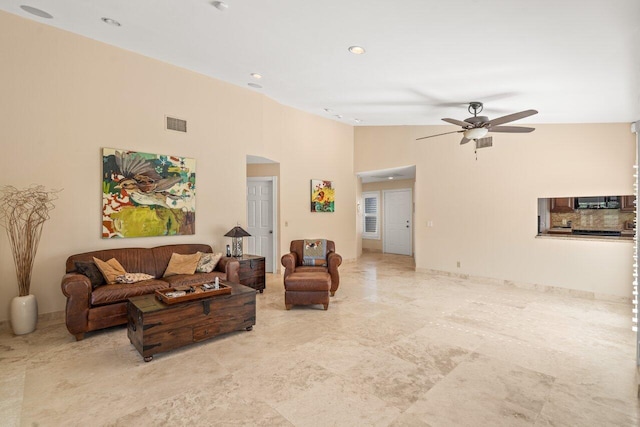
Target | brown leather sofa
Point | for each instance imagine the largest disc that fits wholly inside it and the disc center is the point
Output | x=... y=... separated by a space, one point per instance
x=90 y=309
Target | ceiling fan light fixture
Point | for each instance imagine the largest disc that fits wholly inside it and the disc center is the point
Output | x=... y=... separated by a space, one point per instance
x=475 y=133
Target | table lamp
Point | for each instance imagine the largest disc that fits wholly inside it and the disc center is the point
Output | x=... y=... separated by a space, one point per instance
x=236 y=234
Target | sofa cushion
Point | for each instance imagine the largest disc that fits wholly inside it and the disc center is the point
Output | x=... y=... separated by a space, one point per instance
x=110 y=269
x=109 y=294
x=90 y=269
x=208 y=262
x=182 y=264
x=133 y=277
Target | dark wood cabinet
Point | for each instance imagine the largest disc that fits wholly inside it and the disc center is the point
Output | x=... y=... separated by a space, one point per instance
x=627 y=203
x=562 y=204
x=155 y=327
x=252 y=271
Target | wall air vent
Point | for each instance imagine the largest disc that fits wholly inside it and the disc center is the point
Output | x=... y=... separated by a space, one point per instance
x=176 y=124
x=484 y=142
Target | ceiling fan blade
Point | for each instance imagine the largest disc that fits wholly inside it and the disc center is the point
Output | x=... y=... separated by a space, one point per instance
x=458 y=122
x=440 y=134
x=464 y=140
x=511 y=129
x=511 y=117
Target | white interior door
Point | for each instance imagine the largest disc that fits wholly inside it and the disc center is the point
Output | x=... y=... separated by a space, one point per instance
x=260 y=220
x=398 y=221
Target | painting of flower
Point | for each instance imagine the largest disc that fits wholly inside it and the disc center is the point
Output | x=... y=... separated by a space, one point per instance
x=322 y=196
x=146 y=194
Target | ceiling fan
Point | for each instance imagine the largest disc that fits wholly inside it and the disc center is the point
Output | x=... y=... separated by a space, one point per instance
x=476 y=127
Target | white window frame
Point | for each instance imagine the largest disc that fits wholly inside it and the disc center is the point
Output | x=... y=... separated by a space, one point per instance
x=370 y=195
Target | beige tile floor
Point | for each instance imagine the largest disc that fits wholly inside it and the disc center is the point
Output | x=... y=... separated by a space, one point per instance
x=396 y=347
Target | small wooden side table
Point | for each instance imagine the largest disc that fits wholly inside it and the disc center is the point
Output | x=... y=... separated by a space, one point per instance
x=252 y=271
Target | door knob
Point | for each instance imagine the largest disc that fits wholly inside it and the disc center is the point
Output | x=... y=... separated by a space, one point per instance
x=270 y=231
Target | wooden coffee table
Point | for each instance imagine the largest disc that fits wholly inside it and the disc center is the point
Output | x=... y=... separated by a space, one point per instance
x=155 y=327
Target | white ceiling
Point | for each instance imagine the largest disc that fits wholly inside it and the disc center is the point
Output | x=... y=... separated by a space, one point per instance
x=575 y=61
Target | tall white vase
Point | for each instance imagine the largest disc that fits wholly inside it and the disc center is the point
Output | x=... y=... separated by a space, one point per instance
x=24 y=314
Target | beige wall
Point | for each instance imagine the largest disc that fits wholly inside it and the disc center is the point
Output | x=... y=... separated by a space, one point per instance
x=375 y=245
x=484 y=211
x=64 y=97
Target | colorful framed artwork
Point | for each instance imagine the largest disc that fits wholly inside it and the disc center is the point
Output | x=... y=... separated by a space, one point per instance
x=322 y=196
x=146 y=194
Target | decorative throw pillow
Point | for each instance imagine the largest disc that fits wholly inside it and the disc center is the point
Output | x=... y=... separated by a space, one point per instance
x=110 y=269
x=90 y=269
x=133 y=277
x=182 y=264
x=208 y=262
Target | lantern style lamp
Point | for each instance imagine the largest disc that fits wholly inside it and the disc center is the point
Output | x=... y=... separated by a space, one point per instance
x=236 y=234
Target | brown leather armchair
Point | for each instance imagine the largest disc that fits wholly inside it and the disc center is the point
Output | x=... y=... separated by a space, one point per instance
x=292 y=263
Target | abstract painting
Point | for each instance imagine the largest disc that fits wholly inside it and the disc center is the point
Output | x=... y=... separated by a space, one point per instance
x=147 y=194
x=322 y=196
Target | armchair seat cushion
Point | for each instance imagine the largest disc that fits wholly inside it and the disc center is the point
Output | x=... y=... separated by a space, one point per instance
x=309 y=269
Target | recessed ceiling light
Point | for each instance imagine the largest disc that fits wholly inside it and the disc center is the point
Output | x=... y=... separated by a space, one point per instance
x=256 y=85
x=256 y=75
x=111 y=22
x=35 y=11
x=357 y=120
x=328 y=110
x=390 y=177
x=220 y=5
x=357 y=50
x=338 y=116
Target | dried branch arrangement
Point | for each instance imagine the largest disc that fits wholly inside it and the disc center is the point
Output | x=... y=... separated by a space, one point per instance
x=22 y=214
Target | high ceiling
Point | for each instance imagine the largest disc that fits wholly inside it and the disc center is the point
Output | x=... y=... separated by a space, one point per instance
x=575 y=61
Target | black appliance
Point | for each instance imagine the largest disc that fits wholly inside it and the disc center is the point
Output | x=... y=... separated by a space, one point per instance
x=597 y=202
x=596 y=232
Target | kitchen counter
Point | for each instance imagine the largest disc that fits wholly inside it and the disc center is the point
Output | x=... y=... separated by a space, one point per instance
x=560 y=230
x=566 y=234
